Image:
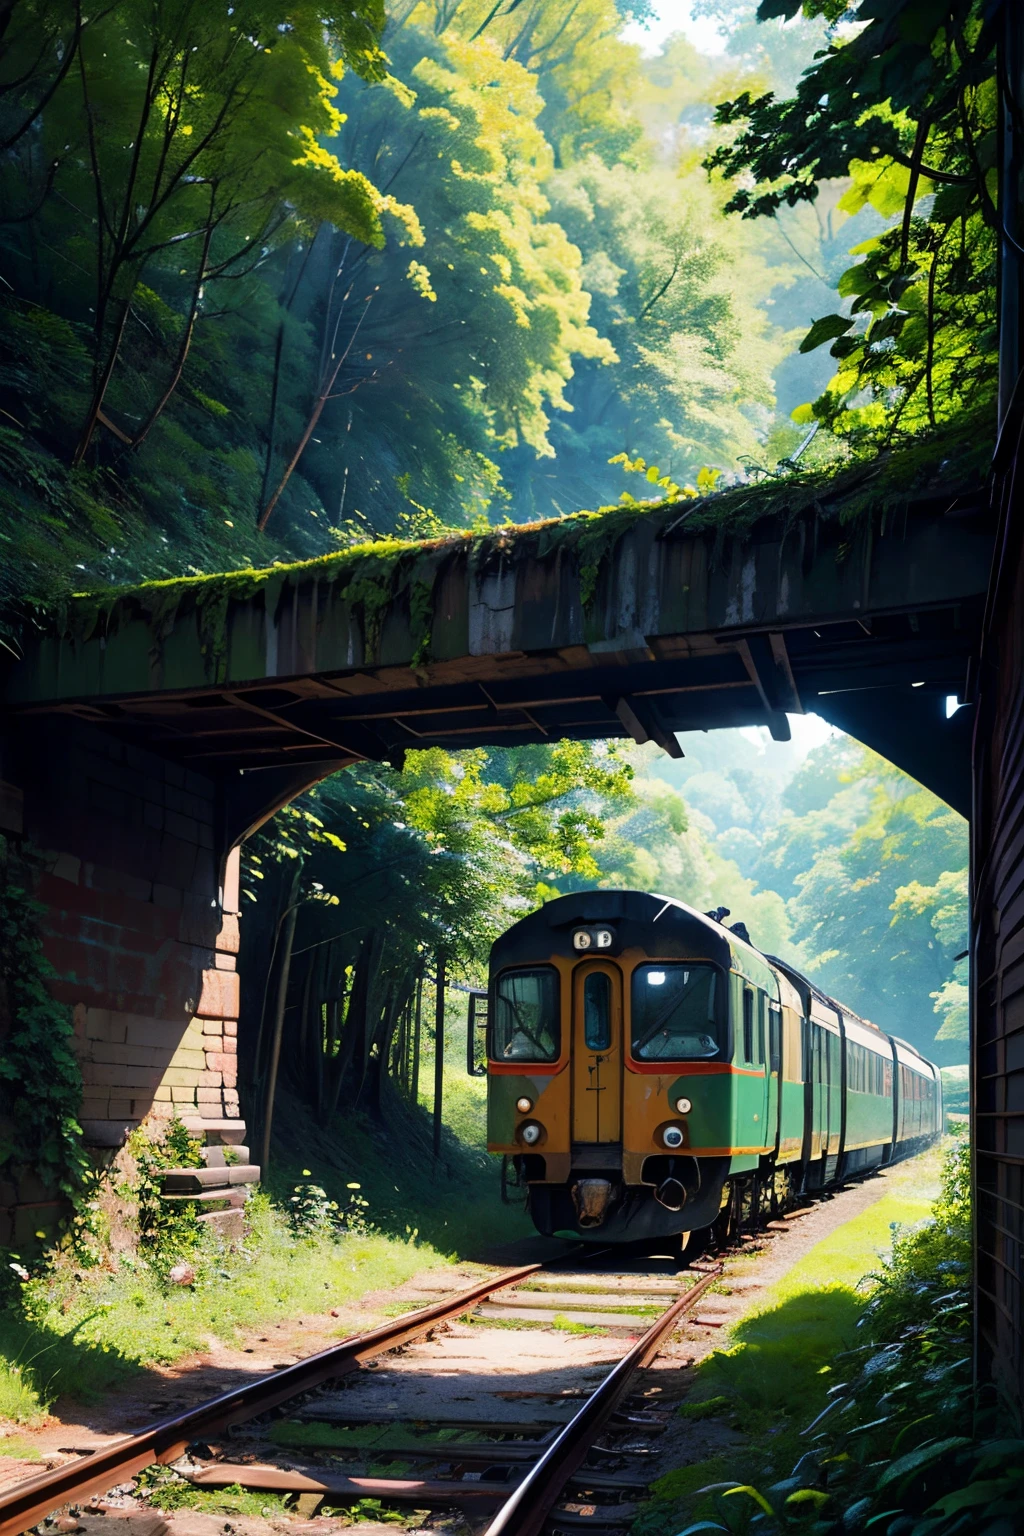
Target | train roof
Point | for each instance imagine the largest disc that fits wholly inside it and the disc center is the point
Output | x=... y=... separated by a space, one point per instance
x=848 y=1015
x=629 y=911
x=799 y=980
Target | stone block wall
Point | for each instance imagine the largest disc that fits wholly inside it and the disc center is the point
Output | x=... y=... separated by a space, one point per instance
x=140 y=925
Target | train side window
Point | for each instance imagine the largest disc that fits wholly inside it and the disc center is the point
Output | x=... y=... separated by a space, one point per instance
x=597 y=1011
x=774 y=1038
x=748 y=1024
x=526 y=1016
x=759 y=1030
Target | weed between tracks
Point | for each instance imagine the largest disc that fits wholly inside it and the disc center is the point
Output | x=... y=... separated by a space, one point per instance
x=167 y=1491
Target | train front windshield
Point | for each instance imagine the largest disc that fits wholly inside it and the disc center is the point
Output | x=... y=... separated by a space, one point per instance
x=675 y=1013
x=526 y=1024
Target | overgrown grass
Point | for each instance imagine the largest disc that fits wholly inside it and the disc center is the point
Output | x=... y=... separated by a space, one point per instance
x=79 y=1334
x=76 y=1333
x=856 y=1407
x=452 y=1202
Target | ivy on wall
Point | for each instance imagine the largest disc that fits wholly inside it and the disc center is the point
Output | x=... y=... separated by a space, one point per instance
x=40 y=1078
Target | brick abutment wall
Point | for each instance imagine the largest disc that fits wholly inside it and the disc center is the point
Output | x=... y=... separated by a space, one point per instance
x=141 y=926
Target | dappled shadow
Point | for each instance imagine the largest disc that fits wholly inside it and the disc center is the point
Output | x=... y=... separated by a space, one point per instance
x=776 y=1358
x=453 y=1202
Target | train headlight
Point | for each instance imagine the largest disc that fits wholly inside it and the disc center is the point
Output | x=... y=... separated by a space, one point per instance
x=530 y=1133
x=524 y=1105
x=683 y=1106
x=673 y=1136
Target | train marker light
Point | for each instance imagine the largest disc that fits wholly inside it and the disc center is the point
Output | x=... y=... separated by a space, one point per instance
x=592 y=938
x=524 y=1106
x=672 y=1136
x=655 y=978
x=683 y=1106
x=530 y=1133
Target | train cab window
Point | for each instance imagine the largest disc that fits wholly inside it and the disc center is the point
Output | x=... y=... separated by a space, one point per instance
x=597 y=1011
x=674 y=1012
x=526 y=1025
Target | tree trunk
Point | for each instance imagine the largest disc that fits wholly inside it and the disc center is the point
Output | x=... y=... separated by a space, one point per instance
x=327 y=384
x=99 y=394
x=417 y=1030
x=354 y=1037
x=439 y=1053
x=183 y=349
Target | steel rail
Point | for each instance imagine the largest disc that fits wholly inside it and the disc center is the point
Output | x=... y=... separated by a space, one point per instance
x=527 y=1509
x=30 y=1501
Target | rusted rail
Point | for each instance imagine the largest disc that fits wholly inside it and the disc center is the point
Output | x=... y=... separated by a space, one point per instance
x=526 y=1511
x=29 y=1501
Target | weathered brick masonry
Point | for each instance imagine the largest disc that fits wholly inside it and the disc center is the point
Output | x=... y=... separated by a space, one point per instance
x=141 y=927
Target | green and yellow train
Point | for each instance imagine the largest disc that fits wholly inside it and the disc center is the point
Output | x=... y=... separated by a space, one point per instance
x=651 y=1073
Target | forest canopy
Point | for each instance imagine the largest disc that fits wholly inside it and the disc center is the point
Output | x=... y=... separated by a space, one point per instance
x=275 y=278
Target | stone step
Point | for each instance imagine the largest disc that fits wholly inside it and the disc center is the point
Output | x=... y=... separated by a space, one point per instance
x=229 y=1132
x=234 y=1197
x=214 y=1157
x=183 y=1181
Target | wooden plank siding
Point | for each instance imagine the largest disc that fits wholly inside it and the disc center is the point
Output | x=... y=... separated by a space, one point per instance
x=997 y=1056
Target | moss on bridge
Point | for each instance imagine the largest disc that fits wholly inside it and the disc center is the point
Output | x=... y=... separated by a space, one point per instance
x=371 y=576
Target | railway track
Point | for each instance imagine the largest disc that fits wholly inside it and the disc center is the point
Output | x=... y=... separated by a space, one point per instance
x=514 y=1478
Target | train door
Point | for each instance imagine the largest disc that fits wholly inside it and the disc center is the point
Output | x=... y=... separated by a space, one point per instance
x=597 y=1053
x=834 y=1053
x=819 y=1096
x=753 y=1128
x=771 y=1133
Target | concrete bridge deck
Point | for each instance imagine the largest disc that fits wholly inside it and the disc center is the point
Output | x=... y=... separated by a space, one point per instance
x=861 y=603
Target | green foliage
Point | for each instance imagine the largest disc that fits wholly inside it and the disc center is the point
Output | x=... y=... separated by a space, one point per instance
x=897 y=1444
x=882 y=910
x=168 y=1231
x=40 y=1079
x=917 y=134
x=167 y=1490
x=76 y=1333
x=312 y=1213
x=346 y=295
x=674 y=289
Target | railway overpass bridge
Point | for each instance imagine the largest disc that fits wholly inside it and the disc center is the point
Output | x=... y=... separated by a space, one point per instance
x=145 y=732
